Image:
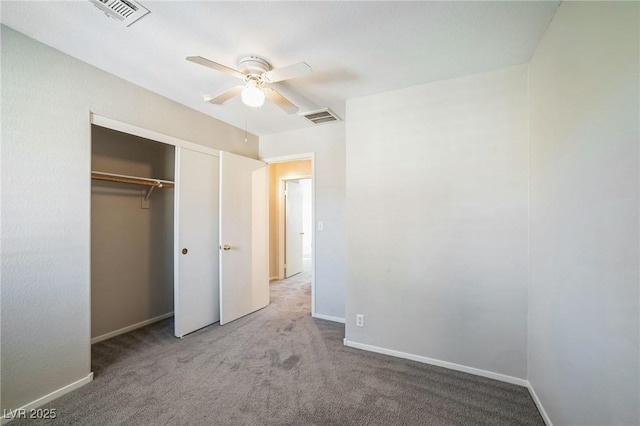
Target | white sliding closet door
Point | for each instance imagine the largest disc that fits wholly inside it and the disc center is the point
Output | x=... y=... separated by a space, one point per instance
x=197 y=302
x=244 y=258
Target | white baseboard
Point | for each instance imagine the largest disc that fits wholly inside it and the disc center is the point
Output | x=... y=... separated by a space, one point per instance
x=541 y=409
x=458 y=367
x=130 y=328
x=49 y=397
x=439 y=363
x=328 y=318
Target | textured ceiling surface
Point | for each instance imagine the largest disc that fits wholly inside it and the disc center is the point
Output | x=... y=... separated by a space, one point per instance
x=354 y=48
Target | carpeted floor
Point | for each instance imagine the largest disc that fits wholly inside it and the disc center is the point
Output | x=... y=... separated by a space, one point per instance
x=278 y=366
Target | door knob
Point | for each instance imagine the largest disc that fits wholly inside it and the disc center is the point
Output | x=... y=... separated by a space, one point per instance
x=226 y=247
x=302 y=233
x=185 y=251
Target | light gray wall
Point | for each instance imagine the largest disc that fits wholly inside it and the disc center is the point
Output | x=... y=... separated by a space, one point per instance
x=583 y=300
x=437 y=220
x=328 y=144
x=131 y=247
x=46 y=100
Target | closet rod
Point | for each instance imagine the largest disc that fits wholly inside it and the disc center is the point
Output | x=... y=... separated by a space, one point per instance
x=111 y=177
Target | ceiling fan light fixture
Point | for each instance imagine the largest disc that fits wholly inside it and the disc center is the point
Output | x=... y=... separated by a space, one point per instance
x=252 y=95
x=254 y=71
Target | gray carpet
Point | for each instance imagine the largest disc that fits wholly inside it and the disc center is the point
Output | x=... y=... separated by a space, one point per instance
x=278 y=366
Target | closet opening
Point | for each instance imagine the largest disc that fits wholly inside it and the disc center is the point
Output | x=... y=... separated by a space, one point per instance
x=178 y=230
x=132 y=232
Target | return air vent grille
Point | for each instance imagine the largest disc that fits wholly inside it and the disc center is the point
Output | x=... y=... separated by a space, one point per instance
x=125 y=11
x=321 y=116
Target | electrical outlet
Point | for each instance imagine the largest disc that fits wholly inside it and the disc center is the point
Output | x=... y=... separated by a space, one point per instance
x=360 y=320
x=320 y=225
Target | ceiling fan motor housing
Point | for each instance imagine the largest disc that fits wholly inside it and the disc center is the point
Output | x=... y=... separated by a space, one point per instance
x=253 y=66
x=255 y=71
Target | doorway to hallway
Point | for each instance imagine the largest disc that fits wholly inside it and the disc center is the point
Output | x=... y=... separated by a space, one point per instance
x=294 y=258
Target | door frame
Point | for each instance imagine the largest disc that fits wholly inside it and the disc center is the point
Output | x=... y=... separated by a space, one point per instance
x=109 y=123
x=282 y=223
x=287 y=159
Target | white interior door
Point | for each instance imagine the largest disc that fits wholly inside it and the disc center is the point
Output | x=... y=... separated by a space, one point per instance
x=244 y=250
x=293 y=228
x=196 y=294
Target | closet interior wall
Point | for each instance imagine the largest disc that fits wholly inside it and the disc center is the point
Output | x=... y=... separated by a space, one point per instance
x=131 y=246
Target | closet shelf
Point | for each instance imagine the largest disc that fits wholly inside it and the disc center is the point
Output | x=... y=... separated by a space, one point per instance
x=134 y=180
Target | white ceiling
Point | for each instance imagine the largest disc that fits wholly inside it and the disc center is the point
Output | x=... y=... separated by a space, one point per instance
x=354 y=48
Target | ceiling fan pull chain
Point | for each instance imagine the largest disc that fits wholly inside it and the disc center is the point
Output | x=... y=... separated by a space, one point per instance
x=246 y=119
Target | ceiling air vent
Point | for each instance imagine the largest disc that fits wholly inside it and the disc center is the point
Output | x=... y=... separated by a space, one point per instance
x=125 y=11
x=321 y=116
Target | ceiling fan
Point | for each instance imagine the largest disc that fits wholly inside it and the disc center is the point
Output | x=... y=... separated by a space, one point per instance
x=256 y=72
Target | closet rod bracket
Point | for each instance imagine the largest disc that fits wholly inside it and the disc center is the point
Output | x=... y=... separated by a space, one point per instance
x=149 y=191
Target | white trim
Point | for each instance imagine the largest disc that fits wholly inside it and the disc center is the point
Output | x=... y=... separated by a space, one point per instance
x=439 y=363
x=329 y=318
x=288 y=158
x=112 y=124
x=130 y=328
x=177 y=193
x=295 y=157
x=51 y=396
x=280 y=191
x=538 y=403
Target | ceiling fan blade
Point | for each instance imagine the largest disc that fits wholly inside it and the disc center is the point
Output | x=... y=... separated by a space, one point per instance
x=291 y=71
x=224 y=96
x=216 y=66
x=280 y=100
